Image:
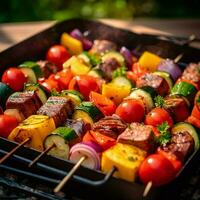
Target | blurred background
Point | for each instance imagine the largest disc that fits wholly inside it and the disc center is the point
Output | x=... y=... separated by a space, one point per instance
x=28 y=10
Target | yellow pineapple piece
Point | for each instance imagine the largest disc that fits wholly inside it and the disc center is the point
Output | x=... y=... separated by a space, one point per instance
x=126 y=158
x=36 y=127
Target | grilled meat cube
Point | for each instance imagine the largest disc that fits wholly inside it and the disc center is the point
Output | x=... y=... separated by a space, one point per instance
x=108 y=67
x=47 y=68
x=138 y=135
x=181 y=145
x=157 y=82
x=192 y=73
x=102 y=46
x=26 y=102
x=177 y=107
x=111 y=126
x=57 y=107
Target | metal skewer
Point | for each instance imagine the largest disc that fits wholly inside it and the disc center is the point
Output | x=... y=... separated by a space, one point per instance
x=41 y=155
x=69 y=175
x=4 y=158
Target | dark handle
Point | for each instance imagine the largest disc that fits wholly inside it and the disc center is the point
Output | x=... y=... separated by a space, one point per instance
x=55 y=171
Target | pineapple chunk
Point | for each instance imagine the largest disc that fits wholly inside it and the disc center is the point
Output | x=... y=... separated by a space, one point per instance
x=126 y=158
x=37 y=127
x=73 y=45
x=149 y=61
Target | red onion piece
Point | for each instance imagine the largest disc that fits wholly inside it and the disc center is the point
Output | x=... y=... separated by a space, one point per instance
x=87 y=44
x=79 y=150
x=94 y=145
x=76 y=33
x=127 y=56
x=171 y=67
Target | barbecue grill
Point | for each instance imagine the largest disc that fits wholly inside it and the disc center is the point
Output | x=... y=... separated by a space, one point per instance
x=87 y=183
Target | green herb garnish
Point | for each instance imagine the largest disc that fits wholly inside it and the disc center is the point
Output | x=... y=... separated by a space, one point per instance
x=165 y=135
x=120 y=71
x=94 y=59
x=55 y=93
x=159 y=101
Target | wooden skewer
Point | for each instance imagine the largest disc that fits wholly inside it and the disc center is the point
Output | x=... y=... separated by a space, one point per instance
x=41 y=155
x=69 y=175
x=178 y=57
x=4 y=158
x=147 y=188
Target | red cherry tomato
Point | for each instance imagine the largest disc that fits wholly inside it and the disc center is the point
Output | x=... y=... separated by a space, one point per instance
x=157 y=116
x=84 y=84
x=131 y=111
x=158 y=169
x=104 y=104
x=57 y=54
x=14 y=78
x=7 y=124
x=63 y=78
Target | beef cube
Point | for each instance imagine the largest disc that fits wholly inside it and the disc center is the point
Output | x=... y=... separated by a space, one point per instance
x=57 y=107
x=157 y=82
x=102 y=46
x=177 y=107
x=138 y=135
x=192 y=73
x=26 y=102
x=181 y=146
x=47 y=68
x=110 y=126
x=108 y=67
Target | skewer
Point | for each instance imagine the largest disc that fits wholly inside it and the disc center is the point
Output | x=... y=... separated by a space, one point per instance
x=147 y=189
x=41 y=155
x=69 y=175
x=178 y=58
x=4 y=158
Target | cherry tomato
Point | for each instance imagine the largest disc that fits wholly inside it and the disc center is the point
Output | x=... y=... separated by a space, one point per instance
x=63 y=78
x=7 y=124
x=14 y=78
x=158 y=169
x=57 y=54
x=84 y=84
x=157 y=116
x=131 y=111
x=104 y=104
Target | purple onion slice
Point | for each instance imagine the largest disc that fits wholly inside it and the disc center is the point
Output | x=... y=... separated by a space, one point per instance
x=79 y=150
x=127 y=56
x=171 y=67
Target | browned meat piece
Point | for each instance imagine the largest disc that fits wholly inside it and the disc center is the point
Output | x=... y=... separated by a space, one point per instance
x=177 y=107
x=57 y=107
x=111 y=126
x=47 y=68
x=192 y=73
x=26 y=102
x=102 y=46
x=181 y=145
x=157 y=82
x=108 y=67
x=138 y=135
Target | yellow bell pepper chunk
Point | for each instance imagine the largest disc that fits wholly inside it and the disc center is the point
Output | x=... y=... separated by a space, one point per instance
x=126 y=158
x=149 y=61
x=73 y=45
x=36 y=127
x=115 y=92
x=77 y=66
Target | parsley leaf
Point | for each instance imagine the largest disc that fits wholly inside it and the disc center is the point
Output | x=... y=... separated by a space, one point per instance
x=165 y=135
x=55 y=93
x=120 y=71
x=159 y=101
x=94 y=59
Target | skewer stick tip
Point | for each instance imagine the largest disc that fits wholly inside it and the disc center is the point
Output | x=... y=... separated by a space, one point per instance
x=147 y=188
